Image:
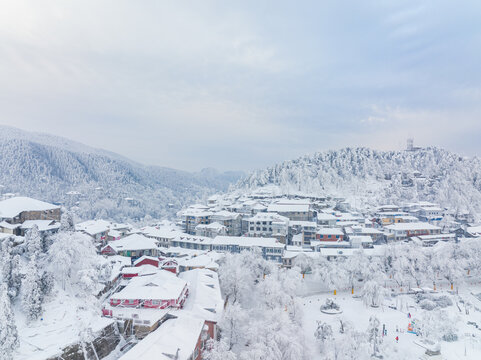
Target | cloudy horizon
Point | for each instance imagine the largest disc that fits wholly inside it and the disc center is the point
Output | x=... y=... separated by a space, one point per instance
x=240 y=86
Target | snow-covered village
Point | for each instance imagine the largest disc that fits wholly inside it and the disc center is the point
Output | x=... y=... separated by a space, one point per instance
x=246 y=180
x=262 y=273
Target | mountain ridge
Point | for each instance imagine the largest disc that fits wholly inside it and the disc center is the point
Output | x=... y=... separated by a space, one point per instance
x=48 y=167
x=372 y=177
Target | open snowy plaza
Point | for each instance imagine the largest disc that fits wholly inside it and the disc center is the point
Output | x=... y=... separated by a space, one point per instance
x=393 y=316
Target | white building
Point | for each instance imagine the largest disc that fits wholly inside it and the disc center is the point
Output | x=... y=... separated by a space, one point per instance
x=268 y=225
x=403 y=231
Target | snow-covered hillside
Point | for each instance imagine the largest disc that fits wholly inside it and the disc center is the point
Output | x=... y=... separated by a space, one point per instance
x=369 y=177
x=105 y=185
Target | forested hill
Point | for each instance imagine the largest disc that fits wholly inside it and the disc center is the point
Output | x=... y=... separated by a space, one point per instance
x=367 y=176
x=109 y=186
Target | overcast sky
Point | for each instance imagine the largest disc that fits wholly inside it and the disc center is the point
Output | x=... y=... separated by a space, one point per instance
x=243 y=85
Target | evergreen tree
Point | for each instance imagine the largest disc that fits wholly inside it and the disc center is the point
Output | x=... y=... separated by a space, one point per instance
x=16 y=278
x=8 y=330
x=6 y=265
x=67 y=222
x=31 y=291
x=33 y=240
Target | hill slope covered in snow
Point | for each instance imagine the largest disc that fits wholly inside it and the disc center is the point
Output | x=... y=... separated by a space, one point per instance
x=369 y=177
x=49 y=167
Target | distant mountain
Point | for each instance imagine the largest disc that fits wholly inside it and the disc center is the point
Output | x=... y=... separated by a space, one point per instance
x=101 y=183
x=369 y=177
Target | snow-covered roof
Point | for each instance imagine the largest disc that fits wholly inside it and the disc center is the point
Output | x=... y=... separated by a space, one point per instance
x=325 y=217
x=14 y=206
x=225 y=215
x=215 y=226
x=268 y=216
x=365 y=230
x=186 y=238
x=43 y=225
x=474 y=230
x=163 y=285
x=205 y=299
x=196 y=212
x=179 y=251
x=244 y=241
x=93 y=227
x=114 y=233
x=201 y=261
x=140 y=270
x=175 y=337
x=431 y=208
x=9 y=226
x=412 y=226
x=303 y=223
x=361 y=239
x=133 y=242
x=145 y=257
x=283 y=208
x=329 y=231
x=160 y=232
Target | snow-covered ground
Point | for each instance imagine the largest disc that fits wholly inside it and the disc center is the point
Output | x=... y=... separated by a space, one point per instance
x=64 y=321
x=357 y=314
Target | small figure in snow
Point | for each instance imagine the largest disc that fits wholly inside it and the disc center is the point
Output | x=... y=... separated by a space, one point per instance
x=397 y=338
x=409 y=315
x=397 y=329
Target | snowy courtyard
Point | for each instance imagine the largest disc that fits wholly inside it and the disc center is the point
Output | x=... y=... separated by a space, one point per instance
x=393 y=316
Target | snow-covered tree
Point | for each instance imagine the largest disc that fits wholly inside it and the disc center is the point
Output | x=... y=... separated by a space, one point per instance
x=232 y=325
x=437 y=325
x=31 y=291
x=374 y=335
x=218 y=350
x=72 y=259
x=6 y=265
x=16 y=277
x=8 y=330
x=67 y=222
x=33 y=240
x=323 y=333
x=372 y=293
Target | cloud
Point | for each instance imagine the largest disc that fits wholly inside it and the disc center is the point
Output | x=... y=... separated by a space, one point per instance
x=241 y=85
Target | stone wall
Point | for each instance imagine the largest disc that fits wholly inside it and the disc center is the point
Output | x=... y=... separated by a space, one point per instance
x=106 y=341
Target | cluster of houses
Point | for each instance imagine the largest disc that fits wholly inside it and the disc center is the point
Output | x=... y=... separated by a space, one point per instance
x=164 y=276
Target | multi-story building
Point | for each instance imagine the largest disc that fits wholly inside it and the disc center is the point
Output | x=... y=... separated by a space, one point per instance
x=297 y=210
x=403 y=231
x=329 y=234
x=193 y=216
x=268 y=225
x=231 y=221
x=271 y=249
x=306 y=228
